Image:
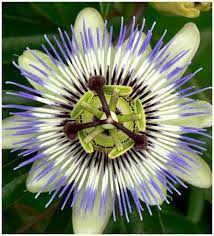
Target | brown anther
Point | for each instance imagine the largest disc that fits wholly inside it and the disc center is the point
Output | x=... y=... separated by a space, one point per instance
x=71 y=128
x=97 y=83
x=139 y=139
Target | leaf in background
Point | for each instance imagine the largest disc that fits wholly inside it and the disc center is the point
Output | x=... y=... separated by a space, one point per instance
x=121 y=226
x=115 y=22
x=60 y=14
x=105 y=8
x=39 y=203
x=10 y=161
x=32 y=220
x=176 y=224
x=161 y=222
x=13 y=190
x=127 y=10
x=203 y=58
x=60 y=220
x=208 y=195
x=10 y=220
x=16 y=45
x=24 y=18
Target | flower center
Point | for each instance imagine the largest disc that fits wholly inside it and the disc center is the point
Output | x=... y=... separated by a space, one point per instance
x=107 y=119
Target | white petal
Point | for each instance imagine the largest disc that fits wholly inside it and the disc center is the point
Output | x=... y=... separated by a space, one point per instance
x=36 y=186
x=198 y=121
x=158 y=199
x=8 y=139
x=28 y=58
x=188 y=38
x=92 y=19
x=199 y=175
x=91 y=222
x=144 y=55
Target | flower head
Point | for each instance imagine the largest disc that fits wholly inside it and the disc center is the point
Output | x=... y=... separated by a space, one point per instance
x=113 y=122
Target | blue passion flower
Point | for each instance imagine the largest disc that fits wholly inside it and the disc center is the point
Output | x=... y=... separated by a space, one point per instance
x=111 y=131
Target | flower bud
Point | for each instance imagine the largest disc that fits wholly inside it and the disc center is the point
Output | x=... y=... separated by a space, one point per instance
x=187 y=9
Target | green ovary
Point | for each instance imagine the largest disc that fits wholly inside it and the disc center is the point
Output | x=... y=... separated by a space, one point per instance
x=107 y=138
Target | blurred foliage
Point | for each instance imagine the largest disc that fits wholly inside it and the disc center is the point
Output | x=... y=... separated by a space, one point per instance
x=24 y=25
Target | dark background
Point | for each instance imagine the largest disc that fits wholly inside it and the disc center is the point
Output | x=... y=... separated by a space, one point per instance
x=24 y=25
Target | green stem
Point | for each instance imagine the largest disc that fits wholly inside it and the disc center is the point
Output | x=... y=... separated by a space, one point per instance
x=196 y=205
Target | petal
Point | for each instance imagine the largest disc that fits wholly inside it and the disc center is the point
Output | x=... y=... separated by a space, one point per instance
x=198 y=121
x=27 y=59
x=199 y=175
x=37 y=185
x=158 y=199
x=91 y=222
x=154 y=194
x=8 y=139
x=92 y=19
x=188 y=38
x=144 y=55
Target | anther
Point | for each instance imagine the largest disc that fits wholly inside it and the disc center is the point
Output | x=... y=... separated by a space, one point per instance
x=96 y=83
x=71 y=128
x=139 y=139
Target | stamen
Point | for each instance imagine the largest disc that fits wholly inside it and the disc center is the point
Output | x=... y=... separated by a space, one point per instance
x=139 y=139
x=93 y=110
x=71 y=128
x=117 y=142
x=93 y=134
x=129 y=117
x=114 y=100
x=97 y=83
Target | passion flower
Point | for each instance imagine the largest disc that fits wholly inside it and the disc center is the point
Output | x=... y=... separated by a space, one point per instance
x=113 y=128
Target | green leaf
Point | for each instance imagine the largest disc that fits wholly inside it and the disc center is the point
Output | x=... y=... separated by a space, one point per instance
x=39 y=203
x=105 y=8
x=10 y=161
x=9 y=226
x=176 y=223
x=60 y=14
x=14 y=46
x=161 y=222
x=13 y=190
x=196 y=205
x=115 y=22
x=60 y=220
x=24 y=18
x=147 y=226
x=208 y=195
